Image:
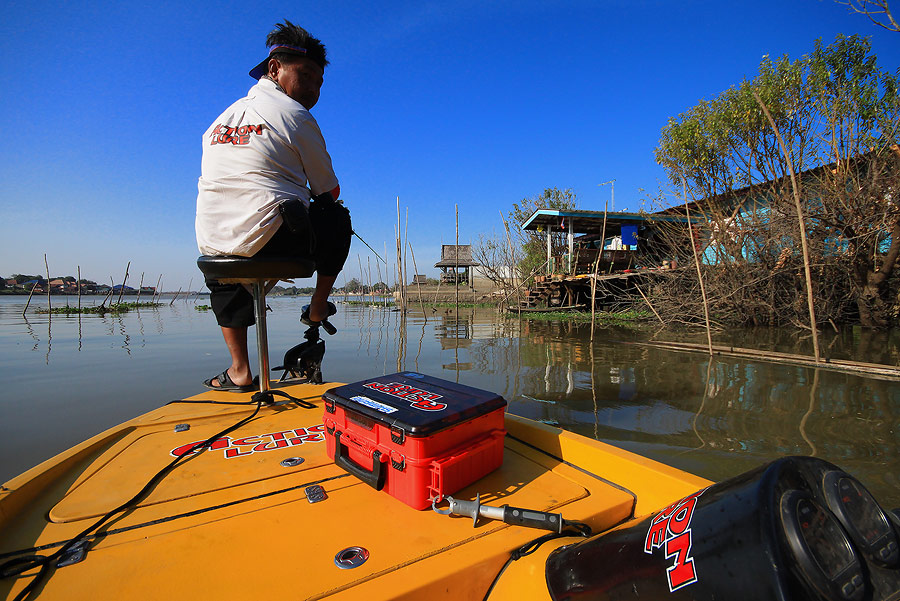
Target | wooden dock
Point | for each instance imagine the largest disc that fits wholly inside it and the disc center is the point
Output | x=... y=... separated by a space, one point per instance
x=557 y=291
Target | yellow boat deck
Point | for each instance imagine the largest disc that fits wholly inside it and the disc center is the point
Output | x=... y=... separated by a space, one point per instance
x=233 y=521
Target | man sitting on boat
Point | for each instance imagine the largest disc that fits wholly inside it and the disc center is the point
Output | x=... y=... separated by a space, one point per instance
x=266 y=149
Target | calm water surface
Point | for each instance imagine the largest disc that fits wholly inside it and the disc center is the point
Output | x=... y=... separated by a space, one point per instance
x=68 y=378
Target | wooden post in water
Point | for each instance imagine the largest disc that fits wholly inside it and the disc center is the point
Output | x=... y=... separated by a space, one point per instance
x=809 y=293
x=156 y=290
x=122 y=289
x=172 y=302
x=78 y=283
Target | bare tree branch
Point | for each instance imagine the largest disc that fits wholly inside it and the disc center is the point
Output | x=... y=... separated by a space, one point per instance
x=872 y=8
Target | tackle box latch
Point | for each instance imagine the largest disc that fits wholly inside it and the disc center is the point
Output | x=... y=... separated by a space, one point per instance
x=398 y=464
x=398 y=435
x=329 y=405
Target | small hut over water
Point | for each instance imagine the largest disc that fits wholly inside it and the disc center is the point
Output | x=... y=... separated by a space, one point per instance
x=456 y=263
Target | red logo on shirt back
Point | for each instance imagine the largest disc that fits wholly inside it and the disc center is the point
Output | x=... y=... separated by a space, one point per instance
x=238 y=136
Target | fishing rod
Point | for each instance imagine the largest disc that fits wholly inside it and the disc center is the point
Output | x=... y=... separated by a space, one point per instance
x=370 y=248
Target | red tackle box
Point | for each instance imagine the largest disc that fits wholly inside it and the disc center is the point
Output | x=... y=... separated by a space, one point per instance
x=414 y=436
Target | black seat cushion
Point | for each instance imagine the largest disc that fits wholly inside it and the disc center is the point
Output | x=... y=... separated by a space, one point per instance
x=269 y=267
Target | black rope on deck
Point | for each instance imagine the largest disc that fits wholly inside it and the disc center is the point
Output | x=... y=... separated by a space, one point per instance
x=48 y=563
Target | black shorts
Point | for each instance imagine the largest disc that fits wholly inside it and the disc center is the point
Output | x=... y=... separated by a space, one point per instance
x=233 y=304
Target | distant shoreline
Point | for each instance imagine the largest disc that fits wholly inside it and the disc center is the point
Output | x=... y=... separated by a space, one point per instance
x=19 y=292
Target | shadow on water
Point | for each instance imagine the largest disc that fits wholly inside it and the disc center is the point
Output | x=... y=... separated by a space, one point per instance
x=715 y=418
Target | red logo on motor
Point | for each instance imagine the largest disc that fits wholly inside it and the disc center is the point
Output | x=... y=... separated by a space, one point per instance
x=418 y=398
x=672 y=528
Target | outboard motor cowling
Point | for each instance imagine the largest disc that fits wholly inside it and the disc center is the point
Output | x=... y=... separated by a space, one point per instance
x=796 y=529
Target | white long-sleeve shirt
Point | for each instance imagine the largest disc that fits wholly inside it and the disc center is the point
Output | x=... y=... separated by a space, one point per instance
x=264 y=149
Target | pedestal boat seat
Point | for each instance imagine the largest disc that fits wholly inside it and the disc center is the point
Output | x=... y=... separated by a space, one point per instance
x=256 y=271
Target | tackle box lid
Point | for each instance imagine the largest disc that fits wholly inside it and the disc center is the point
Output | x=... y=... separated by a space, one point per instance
x=417 y=403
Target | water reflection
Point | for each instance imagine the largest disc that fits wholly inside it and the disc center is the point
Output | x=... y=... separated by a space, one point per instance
x=712 y=417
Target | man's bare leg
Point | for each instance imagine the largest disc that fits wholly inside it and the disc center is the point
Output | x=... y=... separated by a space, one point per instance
x=236 y=341
x=318 y=305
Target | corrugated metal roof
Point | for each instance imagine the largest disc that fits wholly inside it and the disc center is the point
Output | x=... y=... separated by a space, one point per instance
x=584 y=222
x=453 y=255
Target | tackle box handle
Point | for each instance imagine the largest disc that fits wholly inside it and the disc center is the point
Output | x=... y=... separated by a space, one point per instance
x=374 y=478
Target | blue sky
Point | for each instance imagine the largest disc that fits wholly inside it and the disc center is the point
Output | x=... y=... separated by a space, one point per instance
x=475 y=104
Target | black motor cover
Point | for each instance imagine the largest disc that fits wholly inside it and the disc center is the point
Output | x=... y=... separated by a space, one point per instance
x=795 y=529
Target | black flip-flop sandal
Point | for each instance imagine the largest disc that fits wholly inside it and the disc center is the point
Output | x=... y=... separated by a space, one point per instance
x=226 y=384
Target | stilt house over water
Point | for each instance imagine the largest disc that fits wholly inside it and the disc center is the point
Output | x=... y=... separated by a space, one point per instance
x=456 y=263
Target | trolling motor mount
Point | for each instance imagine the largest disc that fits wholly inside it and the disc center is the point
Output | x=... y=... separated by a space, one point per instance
x=304 y=361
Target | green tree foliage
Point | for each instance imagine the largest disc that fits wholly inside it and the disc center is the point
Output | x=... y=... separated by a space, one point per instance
x=21 y=278
x=353 y=286
x=532 y=246
x=839 y=116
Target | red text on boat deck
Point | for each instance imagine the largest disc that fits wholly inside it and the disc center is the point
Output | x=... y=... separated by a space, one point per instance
x=257 y=443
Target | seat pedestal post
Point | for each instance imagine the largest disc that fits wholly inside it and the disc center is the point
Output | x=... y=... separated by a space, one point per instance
x=262 y=342
x=257 y=271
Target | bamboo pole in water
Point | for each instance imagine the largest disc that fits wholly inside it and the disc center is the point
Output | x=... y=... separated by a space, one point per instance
x=438 y=291
x=156 y=290
x=385 y=271
x=875 y=370
x=456 y=261
x=78 y=283
x=369 y=279
x=29 y=299
x=406 y=263
x=172 y=302
x=809 y=293
x=400 y=260
x=362 y=279
x=687 y=213
x=108 y=294
x=512 y=269
x=418 y=286
x=594 y=299
x=141 y=285
x=48 y=283
x=122 y=289
x=647 y=300
x=597 y=266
